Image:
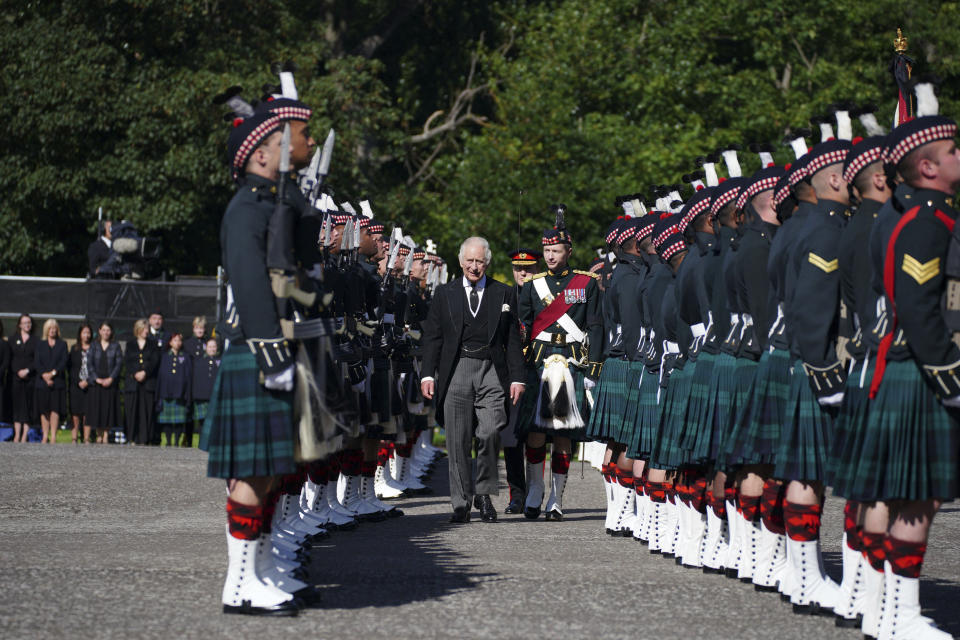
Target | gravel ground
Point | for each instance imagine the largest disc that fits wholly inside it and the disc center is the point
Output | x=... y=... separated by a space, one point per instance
x=120 y=542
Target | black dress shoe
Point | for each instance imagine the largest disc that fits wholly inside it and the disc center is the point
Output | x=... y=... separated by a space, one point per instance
x=477 y=503
x=461 y=515
x=487 y=512
x=531 y=513
x=515 y=506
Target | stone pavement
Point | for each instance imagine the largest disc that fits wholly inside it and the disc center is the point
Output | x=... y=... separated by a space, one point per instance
x=127 y=542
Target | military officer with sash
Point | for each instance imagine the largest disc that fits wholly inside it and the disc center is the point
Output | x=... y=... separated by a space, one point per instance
x=559 y=310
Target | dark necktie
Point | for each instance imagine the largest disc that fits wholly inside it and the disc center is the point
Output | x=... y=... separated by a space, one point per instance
x=474 y=299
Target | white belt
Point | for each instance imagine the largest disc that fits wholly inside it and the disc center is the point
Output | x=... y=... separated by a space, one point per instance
x=698 y=329
x=671 y=347
x=568 y=338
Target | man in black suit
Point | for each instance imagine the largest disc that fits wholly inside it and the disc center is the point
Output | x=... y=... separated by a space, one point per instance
x=99 y=252
x=471 y=343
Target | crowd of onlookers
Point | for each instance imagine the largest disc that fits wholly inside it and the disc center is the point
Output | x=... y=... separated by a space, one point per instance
x=153 y=388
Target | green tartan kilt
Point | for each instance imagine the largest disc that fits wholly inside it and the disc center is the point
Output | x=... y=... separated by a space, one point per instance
x=631 y=402
x=761 y=417
x=698 y=414
x=248 y=430
x=744 y=375
x=910 y=446
x=200 y=410
x=850 y=429
x=526 y=420
x=719 y=397
x=172 y=412
x=807 y=433
x=667 y=452
x=607 y=414
x=647 y=419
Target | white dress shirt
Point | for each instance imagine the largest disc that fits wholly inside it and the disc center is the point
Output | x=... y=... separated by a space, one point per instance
x=481 y=285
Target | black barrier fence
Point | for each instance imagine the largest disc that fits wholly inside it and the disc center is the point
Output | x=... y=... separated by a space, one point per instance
x=72 y=300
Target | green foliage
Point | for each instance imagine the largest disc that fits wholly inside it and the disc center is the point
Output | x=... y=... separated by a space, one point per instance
x=108 y=104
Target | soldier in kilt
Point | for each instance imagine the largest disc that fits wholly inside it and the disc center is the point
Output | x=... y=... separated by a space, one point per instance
x=761 y=413
x=624 y=294
x=863 y=171
x=662 y=515
x=249 y=432
x=606 y=399
x=560 y=313
x=909 y=457
x=818 y=375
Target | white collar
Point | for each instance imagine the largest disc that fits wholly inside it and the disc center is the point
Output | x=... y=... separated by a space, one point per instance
x=481 y=283
x=107 y=241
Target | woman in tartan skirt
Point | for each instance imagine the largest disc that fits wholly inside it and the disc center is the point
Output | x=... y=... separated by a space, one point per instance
x=173 y=390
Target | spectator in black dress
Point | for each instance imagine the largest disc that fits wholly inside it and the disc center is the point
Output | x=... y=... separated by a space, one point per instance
x=50 y=363
x=141 y=360
x=4 y=378
x=104 y=362
x=22 y=354
x=173 y=391
x=204 y=373
x=79 y=387
x=157 y=333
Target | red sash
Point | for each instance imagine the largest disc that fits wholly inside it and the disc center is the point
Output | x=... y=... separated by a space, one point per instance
x=559 y=306
x=889 y=275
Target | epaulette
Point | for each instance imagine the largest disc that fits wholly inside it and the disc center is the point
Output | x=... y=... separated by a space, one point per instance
x=535 y=276
x=587 y=273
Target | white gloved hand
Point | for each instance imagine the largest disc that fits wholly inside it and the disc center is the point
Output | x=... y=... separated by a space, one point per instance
x=831 y=401
x=951 y=402
x=282 y=381
x=360 y=387
x=589 y=384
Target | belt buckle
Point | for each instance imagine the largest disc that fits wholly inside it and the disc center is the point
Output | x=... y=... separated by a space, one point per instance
x=558 y=338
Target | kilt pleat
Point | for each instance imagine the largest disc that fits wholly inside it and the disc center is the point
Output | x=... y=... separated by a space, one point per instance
x=648 y=416
x=744 y=375
x=248 y=430
x=850 y=429
x=667 y=453
x=720 y=399
x=910 y=446
x=631 y=403
x=607 y=415
x=807 y=433
x=760 y=419
x=695 y=422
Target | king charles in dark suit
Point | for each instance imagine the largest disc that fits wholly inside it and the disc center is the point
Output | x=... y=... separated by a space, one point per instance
x=473 y=364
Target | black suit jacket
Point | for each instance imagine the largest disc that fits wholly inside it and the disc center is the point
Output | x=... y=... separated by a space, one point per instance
x=97 y=254
x=443 y=334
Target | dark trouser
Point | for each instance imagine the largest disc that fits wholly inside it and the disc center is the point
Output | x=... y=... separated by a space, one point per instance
x=474 y=405
x=513 y=457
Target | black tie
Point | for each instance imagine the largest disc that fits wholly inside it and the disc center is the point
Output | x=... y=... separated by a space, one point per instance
x=474 y=299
